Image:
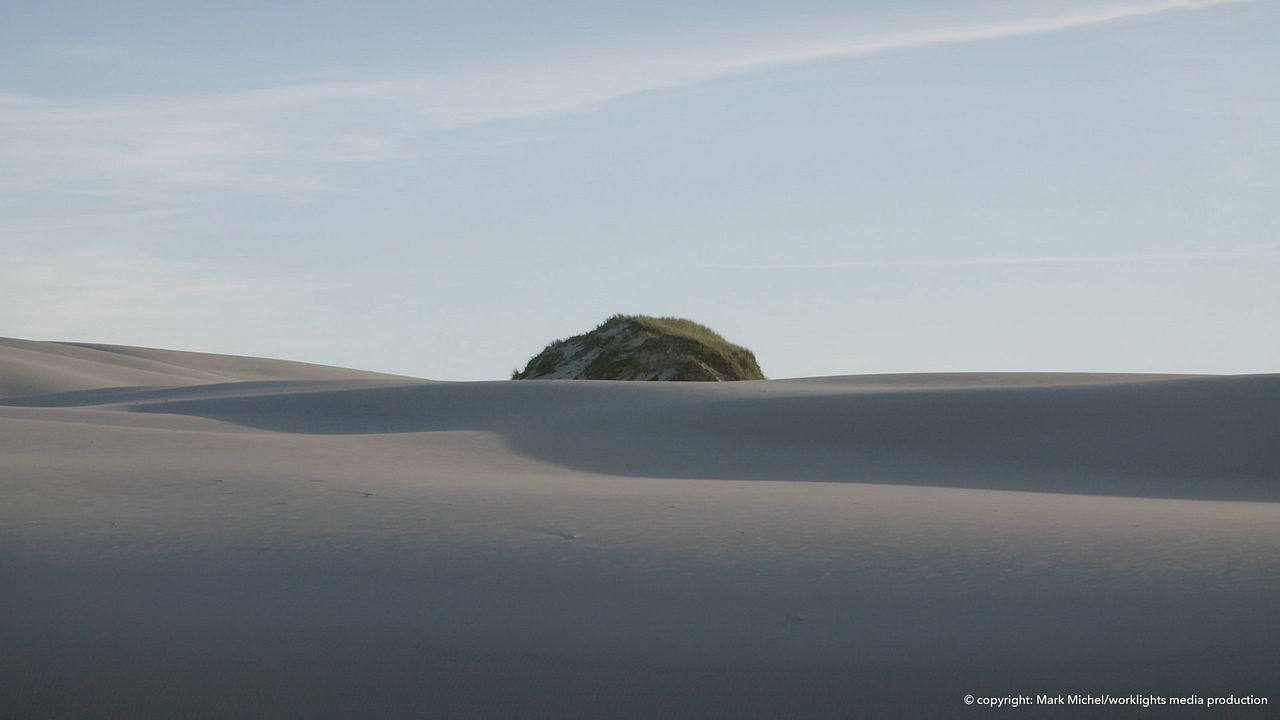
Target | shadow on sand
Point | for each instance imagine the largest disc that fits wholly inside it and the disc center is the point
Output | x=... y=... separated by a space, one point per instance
x=1202 y=438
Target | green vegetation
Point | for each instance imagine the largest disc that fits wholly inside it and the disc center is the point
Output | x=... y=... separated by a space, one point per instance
x=737 y=361
x=627 y=347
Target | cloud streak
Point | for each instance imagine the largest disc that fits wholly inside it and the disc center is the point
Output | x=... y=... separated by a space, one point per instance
x=125 y=292
x=289 y=140
x=1033 y=260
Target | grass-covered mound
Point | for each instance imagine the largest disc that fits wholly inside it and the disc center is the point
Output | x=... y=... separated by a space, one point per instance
x=639 y=347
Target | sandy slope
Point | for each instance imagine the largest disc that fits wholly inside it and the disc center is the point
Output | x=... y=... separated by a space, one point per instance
x=29 y=367
x=316 y=545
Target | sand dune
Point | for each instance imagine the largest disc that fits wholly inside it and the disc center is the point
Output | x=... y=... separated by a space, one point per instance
x=208 y=536
x=30 y=367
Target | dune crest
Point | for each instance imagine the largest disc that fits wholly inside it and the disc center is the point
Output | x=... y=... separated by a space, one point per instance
x=29 y=367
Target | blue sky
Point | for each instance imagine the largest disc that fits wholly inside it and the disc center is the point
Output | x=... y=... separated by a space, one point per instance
x=441 y=189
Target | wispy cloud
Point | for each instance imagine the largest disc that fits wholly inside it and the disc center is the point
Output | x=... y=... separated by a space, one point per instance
x=1031 y=260
x=87 y=53
x=40 y=229
x=127 y=292
x=287 y=140
x=115 y=276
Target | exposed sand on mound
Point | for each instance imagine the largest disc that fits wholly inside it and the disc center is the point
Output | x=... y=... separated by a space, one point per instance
x=330 y=545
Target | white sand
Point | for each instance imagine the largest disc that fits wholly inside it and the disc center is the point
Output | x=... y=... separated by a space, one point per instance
x=324 y=543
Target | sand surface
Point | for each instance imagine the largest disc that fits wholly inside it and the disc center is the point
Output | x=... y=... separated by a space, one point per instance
x=202 y=536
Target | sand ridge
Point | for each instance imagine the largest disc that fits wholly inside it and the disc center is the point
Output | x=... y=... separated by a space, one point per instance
x=29 y=367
